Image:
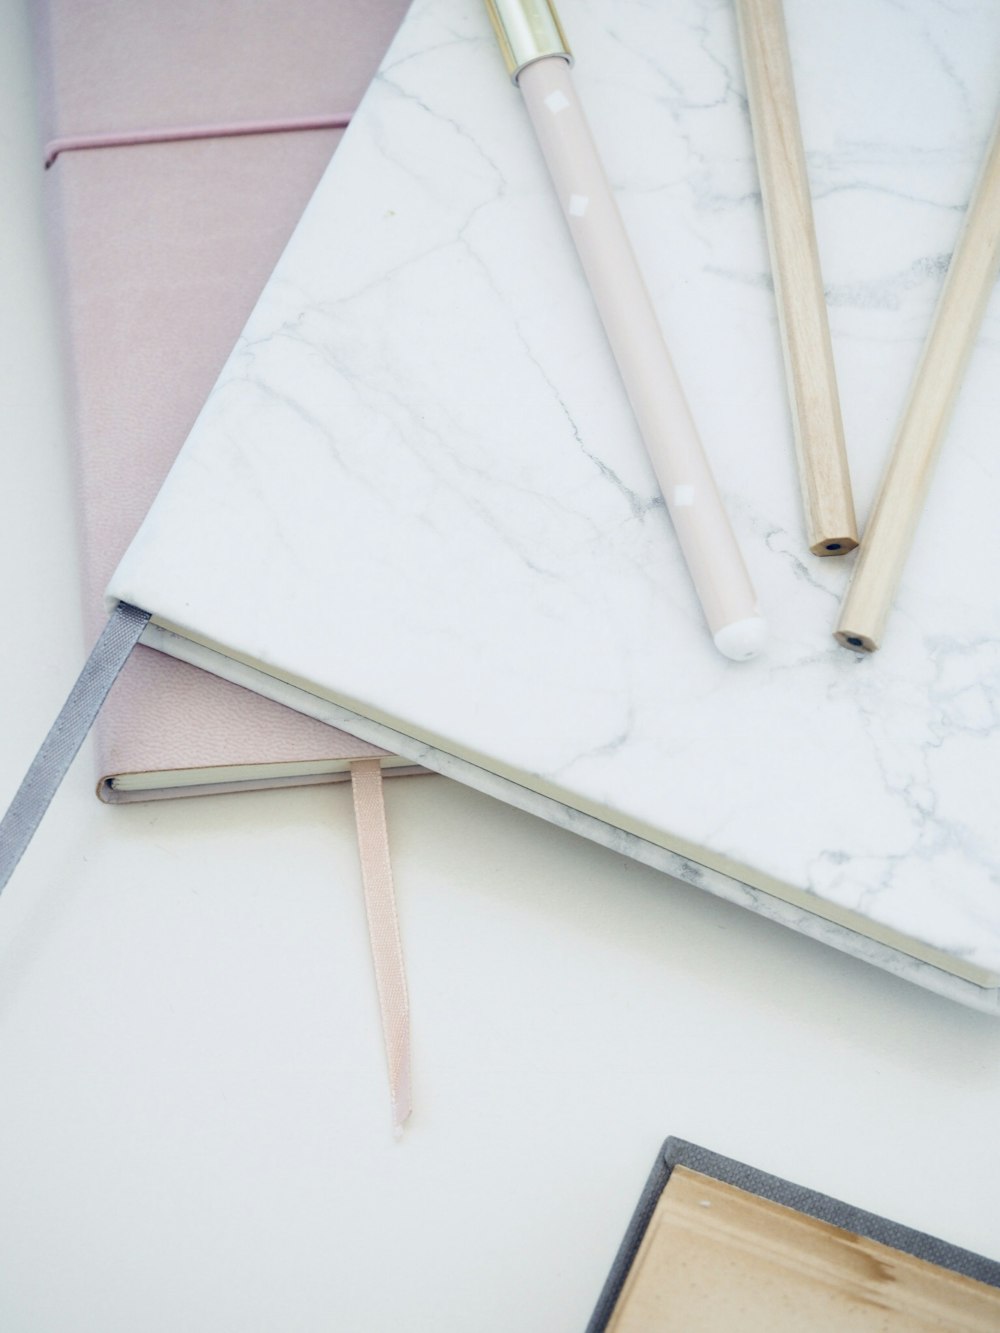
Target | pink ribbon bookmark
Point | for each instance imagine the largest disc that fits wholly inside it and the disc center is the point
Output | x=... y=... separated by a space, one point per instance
x=383 y=933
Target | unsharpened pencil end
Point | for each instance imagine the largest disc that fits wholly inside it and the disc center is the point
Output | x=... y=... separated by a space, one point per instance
x=742 y=639
x=827 y=546
x=857 y=642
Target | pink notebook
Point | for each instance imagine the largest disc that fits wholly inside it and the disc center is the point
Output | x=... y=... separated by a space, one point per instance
x=162 y=248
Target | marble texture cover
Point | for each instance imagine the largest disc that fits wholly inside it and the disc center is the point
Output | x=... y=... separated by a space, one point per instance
x=416 y=503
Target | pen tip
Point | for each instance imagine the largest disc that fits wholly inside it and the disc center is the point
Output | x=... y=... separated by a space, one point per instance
x=742 y=639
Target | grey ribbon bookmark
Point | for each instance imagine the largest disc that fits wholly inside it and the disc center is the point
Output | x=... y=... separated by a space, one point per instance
x=48 y=768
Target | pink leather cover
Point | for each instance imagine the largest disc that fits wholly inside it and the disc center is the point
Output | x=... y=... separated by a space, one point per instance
x=112 y=65
x=162 y=250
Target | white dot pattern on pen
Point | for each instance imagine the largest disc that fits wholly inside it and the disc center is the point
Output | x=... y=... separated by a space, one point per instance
x=557 y=102
x=683 y=496
x=578 y=205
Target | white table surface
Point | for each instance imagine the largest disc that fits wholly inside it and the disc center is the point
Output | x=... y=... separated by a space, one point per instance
x=194 y=1129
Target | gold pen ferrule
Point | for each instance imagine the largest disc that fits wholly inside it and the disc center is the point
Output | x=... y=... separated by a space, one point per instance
x=527 y=30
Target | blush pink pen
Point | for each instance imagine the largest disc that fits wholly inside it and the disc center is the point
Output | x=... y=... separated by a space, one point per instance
x=538 y=60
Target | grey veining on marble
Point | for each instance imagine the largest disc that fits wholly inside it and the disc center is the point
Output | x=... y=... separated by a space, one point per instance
x=418 y=488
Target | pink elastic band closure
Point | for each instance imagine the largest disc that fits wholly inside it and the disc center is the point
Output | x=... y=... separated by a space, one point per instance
x=179 y=133
x=383 y=932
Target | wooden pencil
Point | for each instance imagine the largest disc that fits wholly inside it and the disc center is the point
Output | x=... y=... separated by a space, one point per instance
x=831 y=527
x=957 y=320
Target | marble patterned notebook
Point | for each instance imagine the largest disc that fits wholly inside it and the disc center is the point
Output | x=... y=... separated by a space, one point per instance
x=415 y=504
